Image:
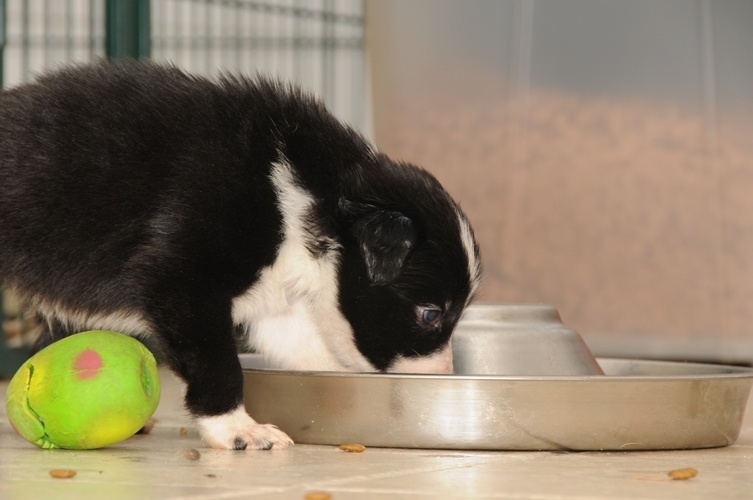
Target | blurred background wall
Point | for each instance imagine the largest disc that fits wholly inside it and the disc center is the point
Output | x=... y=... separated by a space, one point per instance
x=602 y=150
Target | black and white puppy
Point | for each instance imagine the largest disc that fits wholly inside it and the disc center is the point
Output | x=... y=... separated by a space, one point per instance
x=138 y=198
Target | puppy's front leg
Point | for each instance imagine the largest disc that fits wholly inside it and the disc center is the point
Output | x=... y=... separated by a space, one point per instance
x=200 y=348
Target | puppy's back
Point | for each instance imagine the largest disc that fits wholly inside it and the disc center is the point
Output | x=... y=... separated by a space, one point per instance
x=100 y=162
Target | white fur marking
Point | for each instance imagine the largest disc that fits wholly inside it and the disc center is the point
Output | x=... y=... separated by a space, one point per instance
x=292 y=313
x=474 y=266
x=123 y=321
x=225 y=431
x=439 y=362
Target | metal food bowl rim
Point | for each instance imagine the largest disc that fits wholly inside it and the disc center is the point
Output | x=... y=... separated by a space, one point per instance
x=709 y=371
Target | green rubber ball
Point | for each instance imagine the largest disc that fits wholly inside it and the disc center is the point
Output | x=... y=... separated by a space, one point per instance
x=86 y=391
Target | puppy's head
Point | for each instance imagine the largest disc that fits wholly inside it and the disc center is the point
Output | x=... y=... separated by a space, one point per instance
x=410 y=265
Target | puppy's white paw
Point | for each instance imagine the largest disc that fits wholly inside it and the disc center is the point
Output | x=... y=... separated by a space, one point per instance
x=235 y=430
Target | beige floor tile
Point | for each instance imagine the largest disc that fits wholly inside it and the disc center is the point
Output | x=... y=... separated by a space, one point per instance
x=156 y=466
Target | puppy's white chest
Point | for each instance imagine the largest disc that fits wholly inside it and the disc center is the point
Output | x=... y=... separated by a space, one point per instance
x=291 y=314
x=279 y=314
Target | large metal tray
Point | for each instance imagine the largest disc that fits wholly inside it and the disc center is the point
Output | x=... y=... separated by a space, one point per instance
x=636 y=405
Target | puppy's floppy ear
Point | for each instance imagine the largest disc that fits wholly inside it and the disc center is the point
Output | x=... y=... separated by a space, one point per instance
x=385 y=238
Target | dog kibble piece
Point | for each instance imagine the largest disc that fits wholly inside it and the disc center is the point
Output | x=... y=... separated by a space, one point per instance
x=62 y=473
x=191 y=454
x=352 y=447
x=682 y=474
x=318 y=495
x=183 y=432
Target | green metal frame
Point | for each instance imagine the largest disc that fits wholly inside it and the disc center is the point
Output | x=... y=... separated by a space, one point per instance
x=127 y=29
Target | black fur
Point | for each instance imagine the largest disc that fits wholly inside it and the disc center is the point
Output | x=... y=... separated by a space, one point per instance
x=137 y=187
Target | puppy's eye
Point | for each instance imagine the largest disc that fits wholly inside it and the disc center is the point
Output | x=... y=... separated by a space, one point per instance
x=430 y=315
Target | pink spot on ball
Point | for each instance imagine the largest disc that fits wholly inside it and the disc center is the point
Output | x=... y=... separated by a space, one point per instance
x=87 y=364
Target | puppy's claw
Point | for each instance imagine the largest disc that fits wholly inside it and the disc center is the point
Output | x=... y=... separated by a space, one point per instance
x=235 y=430
x=263 y=437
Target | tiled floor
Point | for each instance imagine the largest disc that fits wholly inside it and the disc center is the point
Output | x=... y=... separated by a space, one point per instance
x=157 y=466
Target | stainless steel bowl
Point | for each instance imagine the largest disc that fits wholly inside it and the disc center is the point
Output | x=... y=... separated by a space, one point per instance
x=637 y=405
x=519 y=340
x=524 y=382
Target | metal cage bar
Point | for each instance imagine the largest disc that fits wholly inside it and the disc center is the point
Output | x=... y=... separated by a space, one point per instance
x=319 y=44
x=44 y=34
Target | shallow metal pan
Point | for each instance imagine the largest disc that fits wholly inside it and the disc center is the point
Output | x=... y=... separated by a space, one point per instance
x=636 y=405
